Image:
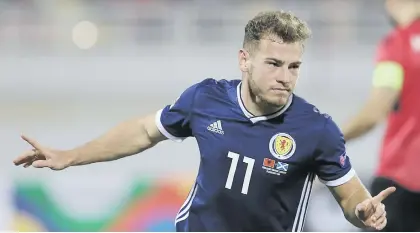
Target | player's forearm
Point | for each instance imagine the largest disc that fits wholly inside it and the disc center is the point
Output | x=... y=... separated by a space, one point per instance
x=349 y=206
x=128 y=138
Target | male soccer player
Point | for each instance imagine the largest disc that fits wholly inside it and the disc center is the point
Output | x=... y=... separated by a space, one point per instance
x=261 y=146
x=396 y=93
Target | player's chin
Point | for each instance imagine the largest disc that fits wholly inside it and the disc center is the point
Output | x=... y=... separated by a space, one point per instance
x=278 y=100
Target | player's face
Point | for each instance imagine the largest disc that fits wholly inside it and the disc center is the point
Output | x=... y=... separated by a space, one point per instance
x=274 y=70
x=390 y=6
x=399 y=11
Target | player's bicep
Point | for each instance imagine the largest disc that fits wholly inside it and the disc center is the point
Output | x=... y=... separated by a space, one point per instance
x=173 y=124
x=333 y=166
x=152 y=130
x=174 y=121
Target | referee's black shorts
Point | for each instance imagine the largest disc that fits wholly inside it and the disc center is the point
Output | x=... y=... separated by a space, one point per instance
x=402 y=207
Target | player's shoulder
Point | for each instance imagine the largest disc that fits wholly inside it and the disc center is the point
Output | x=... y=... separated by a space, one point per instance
x=210 y=92
x=211 y=89
x=212 y=85
x=390 y=40
x=311 y=113
x=393 y=47
x=393 y=41
x=305 y=107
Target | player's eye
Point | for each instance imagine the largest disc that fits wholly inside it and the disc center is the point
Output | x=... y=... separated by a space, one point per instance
x=273 y=64
x=294 y=67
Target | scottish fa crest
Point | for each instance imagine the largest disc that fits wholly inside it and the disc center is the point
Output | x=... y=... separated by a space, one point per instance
x=282 y=146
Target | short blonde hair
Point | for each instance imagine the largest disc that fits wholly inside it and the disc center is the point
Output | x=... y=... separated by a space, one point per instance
x=284 y=25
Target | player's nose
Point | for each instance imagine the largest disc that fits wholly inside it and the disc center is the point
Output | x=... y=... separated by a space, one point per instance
x=283 y=76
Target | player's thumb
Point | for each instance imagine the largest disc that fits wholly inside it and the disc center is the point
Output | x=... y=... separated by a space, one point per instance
x=361 y=210
x=41 y=163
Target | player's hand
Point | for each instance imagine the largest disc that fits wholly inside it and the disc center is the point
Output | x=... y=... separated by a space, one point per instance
x=372 y=212
x=41 y=156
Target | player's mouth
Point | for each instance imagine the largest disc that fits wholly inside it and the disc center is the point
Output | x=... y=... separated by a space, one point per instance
x=280 y=90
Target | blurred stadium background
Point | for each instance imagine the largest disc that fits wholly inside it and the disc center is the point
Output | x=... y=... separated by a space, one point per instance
x=70 y=69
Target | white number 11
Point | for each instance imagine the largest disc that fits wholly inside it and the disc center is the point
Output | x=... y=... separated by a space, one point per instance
x=250 y=165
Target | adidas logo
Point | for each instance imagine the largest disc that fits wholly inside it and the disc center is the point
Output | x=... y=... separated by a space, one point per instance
x=216 y=127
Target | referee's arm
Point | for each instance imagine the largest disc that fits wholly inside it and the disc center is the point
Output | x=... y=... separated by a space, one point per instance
x=388 y=80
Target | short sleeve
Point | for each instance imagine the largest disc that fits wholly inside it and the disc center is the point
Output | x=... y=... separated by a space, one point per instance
x=332 y=164
x=173 y=121
x=389 y=50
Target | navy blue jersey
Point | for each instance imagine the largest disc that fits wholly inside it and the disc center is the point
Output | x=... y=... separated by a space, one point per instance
x=256 y=172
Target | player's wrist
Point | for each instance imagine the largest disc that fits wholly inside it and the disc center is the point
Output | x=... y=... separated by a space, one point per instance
x=351 y=216
x=72 y=158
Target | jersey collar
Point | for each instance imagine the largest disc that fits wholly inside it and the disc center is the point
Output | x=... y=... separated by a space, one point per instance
x=255 y=119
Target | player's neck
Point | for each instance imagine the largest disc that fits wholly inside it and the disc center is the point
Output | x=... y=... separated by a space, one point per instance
x=406 y=22
x=255 y=105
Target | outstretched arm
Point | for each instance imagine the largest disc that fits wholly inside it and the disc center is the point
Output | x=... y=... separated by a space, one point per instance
x=128 y=138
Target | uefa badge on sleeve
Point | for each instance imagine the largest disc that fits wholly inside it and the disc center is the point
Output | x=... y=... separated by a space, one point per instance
x=343 y=159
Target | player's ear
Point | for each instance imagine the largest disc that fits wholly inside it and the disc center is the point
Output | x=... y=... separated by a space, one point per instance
x=243 y=57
